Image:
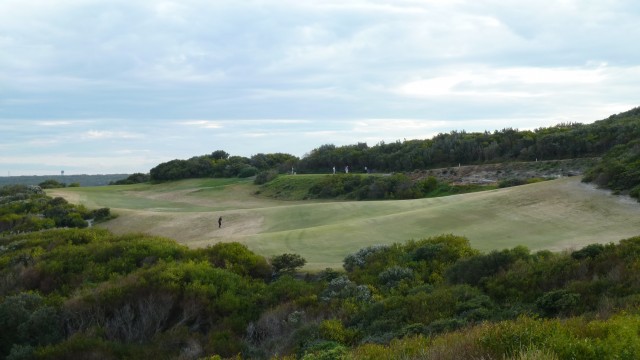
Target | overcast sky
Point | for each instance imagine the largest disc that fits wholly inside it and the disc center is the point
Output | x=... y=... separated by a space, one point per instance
x=118 y=86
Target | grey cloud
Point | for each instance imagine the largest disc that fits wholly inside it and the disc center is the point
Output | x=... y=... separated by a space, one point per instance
x=140 y=67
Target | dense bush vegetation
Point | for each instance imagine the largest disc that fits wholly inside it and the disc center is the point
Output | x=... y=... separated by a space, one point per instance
x=220 y=164
x=619 y=169
x=522 y=338
x=390 y=187
x=361 y=187
x=26 y=208
x=265 y=176
x=136 y=178
x=51 y=184
x=287 y=263
x=74 y=293
x=90 y=287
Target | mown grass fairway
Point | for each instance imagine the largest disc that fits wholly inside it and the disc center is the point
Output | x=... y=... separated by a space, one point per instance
x=554 y=215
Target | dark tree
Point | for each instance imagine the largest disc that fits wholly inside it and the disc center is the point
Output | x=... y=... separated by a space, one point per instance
x=287 y=263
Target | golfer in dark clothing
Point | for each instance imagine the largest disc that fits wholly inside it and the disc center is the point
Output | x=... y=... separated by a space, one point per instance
x=220 y=222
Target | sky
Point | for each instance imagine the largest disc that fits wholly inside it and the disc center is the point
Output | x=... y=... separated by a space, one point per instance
x=119 y=86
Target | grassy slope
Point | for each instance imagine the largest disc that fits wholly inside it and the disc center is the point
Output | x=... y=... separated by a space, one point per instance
x=550 y=215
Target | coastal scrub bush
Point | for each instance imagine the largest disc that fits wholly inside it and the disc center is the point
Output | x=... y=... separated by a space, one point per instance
x=264 y=177
x=287 y=263
x=236 y=258
x=247 y=171
x=26 y=320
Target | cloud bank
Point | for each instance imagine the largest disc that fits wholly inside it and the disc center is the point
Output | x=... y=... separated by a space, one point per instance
x=96 y=86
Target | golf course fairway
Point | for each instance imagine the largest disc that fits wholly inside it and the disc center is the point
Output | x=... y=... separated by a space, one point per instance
x=556 y=215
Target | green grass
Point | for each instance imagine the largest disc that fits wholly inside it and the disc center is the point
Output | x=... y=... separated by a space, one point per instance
x=554 y=215
x=171 y=196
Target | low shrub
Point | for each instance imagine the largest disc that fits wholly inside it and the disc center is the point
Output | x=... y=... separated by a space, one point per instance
x=264 y=177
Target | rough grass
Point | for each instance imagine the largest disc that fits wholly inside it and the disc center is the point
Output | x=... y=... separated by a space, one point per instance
x=290 y=187
x=554 y=215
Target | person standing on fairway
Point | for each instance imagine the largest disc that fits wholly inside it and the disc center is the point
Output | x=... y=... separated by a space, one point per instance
x=220 y=222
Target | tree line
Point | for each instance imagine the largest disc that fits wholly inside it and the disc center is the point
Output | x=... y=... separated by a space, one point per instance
x=563 y=141
x=220 y=164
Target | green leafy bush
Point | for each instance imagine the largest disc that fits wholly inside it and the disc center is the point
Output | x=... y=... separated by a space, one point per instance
x=264 y=177
x=472 y=270
x=287 y=263
x=237 y=258
x=619 y=169
x=247 y=171
x=27 y=321
x=136 y=178
x=51 y=184
x=557 y=302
